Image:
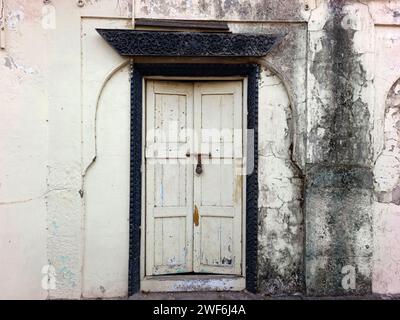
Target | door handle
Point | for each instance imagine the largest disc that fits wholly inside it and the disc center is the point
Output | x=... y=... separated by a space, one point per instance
x=196 y=216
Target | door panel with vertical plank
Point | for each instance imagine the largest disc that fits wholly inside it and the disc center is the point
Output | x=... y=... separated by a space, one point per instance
x=169 y=178
x=175 y=241
x=218 y=189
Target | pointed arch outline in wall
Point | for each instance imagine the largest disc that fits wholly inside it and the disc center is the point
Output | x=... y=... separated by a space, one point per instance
x=296 y=157
x=387 y=198
x=387 y=184
x=98 y=99
x=90 y=163
x=279 y=272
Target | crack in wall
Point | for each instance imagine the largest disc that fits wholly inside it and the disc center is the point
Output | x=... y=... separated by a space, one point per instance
x=12 y=202
x=280 y=258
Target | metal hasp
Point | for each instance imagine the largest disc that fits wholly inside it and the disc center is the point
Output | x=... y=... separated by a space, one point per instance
x=129 y=42
x=199 y=168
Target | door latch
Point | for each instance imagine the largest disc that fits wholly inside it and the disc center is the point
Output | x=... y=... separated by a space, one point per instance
x=196 y=216
x=199 y=167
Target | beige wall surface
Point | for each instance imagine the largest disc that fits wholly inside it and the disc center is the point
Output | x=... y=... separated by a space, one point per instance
x=64 y=140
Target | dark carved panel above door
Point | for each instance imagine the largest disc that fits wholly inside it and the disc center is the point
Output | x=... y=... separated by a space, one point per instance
x=189 y=44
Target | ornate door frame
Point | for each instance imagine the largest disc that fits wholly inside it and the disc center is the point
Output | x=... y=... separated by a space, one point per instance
x=139 y=71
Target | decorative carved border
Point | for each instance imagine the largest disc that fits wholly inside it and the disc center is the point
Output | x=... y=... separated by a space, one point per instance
x=129 y=42
x=251 y=71
x=135 y=192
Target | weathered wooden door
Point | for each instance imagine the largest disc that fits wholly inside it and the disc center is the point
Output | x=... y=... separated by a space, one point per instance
x=193 y=161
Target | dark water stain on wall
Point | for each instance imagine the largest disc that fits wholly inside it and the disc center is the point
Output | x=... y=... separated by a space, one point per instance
x=346 y=120
x=339 y=182
x=284 y=274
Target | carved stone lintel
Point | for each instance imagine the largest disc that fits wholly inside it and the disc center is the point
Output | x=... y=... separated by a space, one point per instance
x=188 y=44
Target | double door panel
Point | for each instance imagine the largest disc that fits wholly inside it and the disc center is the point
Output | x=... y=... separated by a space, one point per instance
x=193 y=176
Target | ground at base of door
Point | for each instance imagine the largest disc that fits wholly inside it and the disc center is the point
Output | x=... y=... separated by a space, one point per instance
x=244 y=295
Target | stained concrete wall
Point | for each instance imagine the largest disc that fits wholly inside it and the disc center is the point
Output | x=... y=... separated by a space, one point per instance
x=328 y=133
x=339 y=186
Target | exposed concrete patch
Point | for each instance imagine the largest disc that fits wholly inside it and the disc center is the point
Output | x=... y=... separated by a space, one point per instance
x=12 y=65
x=14 y=18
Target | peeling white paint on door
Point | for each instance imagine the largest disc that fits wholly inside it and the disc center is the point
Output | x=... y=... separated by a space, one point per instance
x=218 y=236
x=169 y=192
x=193 y=219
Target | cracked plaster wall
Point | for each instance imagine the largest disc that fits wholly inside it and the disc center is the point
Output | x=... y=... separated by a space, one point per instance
x=52 y=195
x=386 y=210
x=387 y=199
x=23 y=157
x=280 y=255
